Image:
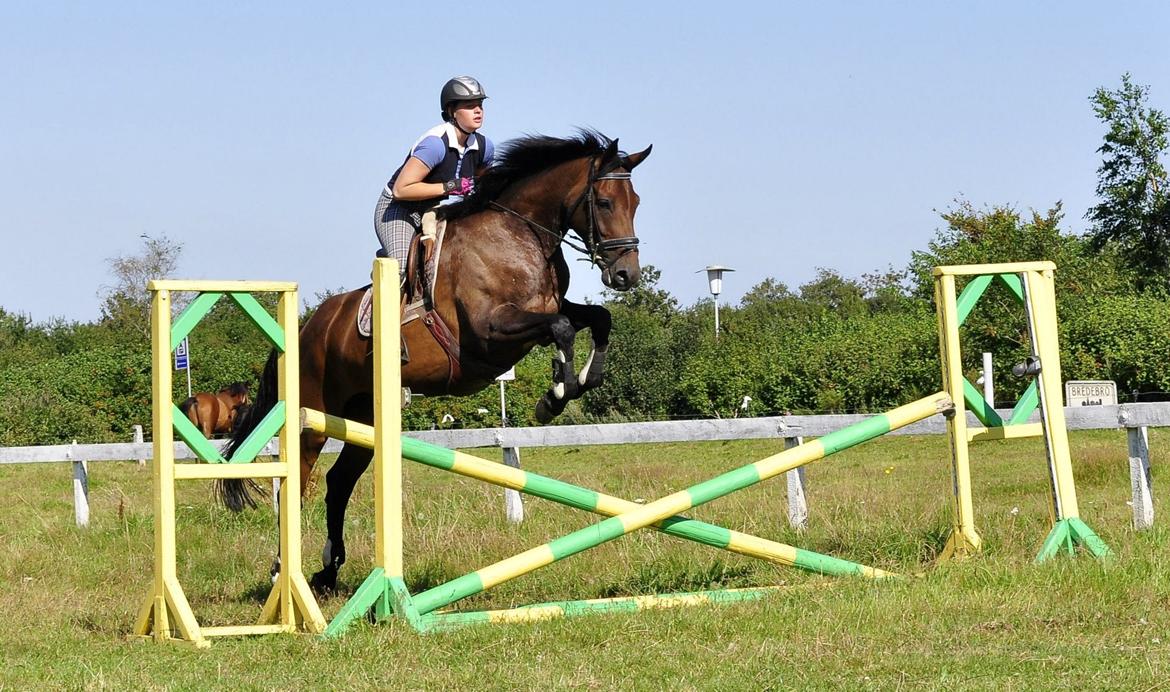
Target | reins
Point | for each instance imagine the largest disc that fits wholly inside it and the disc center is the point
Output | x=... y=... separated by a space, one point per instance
x=594 y=244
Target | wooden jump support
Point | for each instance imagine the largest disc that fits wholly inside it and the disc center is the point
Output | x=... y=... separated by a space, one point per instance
x=166 y=615
x=1032 y=283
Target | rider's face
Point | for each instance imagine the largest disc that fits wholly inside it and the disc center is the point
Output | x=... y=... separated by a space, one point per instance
x=469 y=115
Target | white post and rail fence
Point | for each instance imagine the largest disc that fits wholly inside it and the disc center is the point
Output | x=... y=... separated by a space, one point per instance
x=1135 y=419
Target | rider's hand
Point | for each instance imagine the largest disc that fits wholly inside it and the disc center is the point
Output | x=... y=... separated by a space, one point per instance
x=459 y=186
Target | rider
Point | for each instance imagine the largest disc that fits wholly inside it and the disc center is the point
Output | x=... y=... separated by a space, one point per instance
x=441 y=164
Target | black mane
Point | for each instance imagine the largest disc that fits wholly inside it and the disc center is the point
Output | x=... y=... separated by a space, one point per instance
x=521 y=158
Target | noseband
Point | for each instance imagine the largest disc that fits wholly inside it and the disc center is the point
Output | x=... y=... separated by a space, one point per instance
x=595 y=246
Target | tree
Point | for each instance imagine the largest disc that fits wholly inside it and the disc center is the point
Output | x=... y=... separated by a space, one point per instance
x=1134 y=211
x=1000 y=233
x=126 y=304
x=646 y=296
x=832 y=292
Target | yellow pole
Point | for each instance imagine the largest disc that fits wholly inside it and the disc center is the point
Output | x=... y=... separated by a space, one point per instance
x=1040 y=292
x=387 y=419
x=964 y=539
x=166 y=597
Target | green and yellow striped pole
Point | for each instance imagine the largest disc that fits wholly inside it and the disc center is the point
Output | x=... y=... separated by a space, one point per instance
x=659 y=510
x=588 y=500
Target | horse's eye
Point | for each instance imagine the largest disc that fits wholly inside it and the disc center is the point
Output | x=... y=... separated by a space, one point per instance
x=604 y=203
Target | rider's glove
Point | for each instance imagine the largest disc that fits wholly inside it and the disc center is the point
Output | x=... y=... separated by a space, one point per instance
x=459 y=186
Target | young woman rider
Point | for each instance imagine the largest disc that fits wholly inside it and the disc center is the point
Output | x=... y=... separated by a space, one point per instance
x=441 y=163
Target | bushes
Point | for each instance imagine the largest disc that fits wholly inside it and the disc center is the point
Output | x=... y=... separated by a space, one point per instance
x=95 y=396
x=833 y=347
x=1124 y=338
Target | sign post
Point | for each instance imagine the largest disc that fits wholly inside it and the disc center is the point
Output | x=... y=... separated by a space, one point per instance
x=1090 y=393
x=183 y=362
x=513 y=503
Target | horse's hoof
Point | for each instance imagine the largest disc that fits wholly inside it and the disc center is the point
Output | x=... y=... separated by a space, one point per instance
x=549 y=407
x=324 y=582
x=544 y=413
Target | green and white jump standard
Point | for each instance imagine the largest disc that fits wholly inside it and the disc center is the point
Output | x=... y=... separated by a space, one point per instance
x=385 y=591
x=1032 y=283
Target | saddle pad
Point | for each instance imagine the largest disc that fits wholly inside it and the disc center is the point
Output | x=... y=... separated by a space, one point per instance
x=365 y=314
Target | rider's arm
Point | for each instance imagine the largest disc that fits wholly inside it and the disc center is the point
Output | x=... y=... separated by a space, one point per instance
x=410 y=186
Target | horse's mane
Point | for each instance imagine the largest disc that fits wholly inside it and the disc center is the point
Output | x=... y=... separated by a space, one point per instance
x=236 y=389
x=521 y=158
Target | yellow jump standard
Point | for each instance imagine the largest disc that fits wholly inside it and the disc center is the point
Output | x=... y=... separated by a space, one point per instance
x=166 y=614
x=1032 y=284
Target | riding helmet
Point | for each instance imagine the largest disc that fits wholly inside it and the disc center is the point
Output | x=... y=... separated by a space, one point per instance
x=460 y=89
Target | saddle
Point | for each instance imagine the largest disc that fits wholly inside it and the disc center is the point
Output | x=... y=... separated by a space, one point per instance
x=418 y=287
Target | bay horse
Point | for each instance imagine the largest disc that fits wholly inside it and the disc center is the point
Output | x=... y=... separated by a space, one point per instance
x=215 y=413
x=499 y=287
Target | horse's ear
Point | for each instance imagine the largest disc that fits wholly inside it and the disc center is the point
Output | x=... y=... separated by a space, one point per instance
x=633 y=160
x=611 y=152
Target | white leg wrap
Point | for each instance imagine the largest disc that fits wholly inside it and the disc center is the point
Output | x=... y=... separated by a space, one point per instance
x=585 y=368
x=559 y=388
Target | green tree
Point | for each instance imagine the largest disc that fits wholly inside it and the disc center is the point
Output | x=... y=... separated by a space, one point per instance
x=646 y=297
x=1134 y=211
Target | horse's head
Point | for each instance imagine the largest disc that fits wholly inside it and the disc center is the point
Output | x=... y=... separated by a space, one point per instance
x=604 y=215
x=235 y=394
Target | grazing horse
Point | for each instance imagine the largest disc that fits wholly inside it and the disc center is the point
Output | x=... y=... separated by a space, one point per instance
x=215 y=413
x=499 y=287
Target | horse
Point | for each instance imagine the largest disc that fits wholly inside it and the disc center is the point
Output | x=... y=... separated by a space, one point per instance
x=499 y=287
x=215 y=413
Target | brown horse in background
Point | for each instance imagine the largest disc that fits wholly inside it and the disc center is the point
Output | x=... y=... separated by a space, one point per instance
x=215 y=413
x=499 y=287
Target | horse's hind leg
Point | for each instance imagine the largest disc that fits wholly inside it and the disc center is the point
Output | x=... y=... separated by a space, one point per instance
x=340 y=481
x=599 y=323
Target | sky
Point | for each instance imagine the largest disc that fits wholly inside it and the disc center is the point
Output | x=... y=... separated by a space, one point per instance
x=787 y=136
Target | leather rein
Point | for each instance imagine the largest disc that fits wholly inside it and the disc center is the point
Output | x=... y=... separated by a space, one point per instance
x=594 y=245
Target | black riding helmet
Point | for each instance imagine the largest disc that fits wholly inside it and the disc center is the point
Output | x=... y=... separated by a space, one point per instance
x=460 y=89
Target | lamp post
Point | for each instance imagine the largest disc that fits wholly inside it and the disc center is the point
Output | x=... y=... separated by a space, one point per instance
x=715 y=279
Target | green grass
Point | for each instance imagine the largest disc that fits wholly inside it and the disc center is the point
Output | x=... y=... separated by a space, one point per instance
x=69 y=596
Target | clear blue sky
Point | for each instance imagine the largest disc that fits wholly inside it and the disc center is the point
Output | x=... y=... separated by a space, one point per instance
x=787 y=136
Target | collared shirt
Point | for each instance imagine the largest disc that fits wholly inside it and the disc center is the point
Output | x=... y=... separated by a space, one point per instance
x=439 y=150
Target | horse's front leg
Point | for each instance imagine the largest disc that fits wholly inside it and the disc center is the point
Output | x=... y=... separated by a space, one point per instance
x=599 y=323
x=510 y=323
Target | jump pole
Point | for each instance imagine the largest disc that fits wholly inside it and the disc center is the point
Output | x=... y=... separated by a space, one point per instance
x=378 y=592
x=582 y=498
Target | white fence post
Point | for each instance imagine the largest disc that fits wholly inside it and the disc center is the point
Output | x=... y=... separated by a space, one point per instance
x=80 y=489
x=513 y=503
x=1139 y=477
x=797 y=502
x=138 y=439
x=988 y=380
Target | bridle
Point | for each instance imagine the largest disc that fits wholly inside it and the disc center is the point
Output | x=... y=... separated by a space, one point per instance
x=595 y=246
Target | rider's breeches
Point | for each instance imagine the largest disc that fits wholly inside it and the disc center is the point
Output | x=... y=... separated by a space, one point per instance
x=395 y=226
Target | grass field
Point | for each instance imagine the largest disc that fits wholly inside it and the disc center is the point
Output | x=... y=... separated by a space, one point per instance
x=69 y=596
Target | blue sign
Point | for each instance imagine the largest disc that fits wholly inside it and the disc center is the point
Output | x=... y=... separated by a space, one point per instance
x=181 y=355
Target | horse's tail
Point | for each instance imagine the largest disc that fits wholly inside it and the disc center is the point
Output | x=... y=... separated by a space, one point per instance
x=239 y=493
x=187 y=404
